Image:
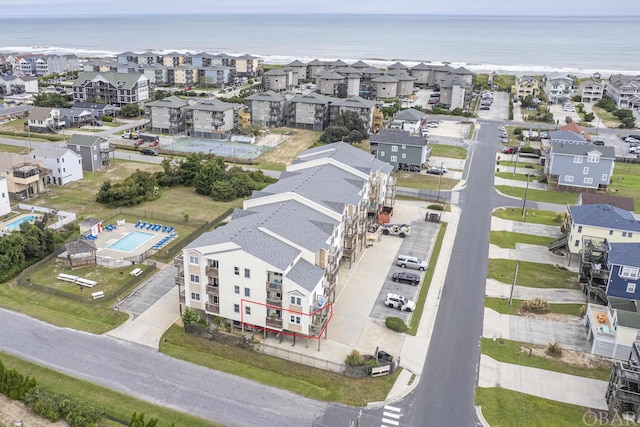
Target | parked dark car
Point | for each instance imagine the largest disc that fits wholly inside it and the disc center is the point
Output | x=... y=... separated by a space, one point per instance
x=435 y=171
x=410 y=278
x=149 y=152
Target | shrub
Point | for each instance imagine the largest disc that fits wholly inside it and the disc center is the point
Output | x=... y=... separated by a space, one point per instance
x=396 y=324
x=554 y=350
x=535 y=305
x=517 y=131
x=583 y=311
x=560 y=216
x=436 y=207
x=354 y=359
x=107 y=119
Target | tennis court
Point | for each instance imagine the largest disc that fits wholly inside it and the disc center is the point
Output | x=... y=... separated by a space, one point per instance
x=218 y=147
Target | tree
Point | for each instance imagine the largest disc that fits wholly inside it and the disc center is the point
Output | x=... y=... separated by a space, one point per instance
x=334 y=133
x=189 y=317
x=348 y=127
x=223 y=191
x=130 y=110
x=54 y=100
x=589 y=117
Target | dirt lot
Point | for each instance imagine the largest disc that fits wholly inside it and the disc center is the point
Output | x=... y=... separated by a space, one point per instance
x=292 y=145
x=12 y=411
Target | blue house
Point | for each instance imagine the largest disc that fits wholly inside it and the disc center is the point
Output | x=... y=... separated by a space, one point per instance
x=400 y=149
x=624 y=270
x=574 y=165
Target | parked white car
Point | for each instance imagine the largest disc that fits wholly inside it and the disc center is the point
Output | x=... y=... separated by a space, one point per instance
x=399 y=302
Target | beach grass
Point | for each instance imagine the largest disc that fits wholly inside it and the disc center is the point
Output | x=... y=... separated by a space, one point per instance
x=607 y=118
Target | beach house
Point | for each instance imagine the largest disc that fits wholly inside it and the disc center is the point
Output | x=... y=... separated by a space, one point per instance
x=24 y=175
x=401 y=149
x=62 y=164
x=94 y=151
x=5 y=201
x=624 y=90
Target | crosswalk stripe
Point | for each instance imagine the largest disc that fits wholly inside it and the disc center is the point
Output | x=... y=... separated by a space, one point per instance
x=392 y=408
x=389 y=414
x=392 y=422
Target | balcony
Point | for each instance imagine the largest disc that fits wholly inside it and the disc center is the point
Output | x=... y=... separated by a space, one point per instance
x=274 y=285
x=213 y=290
x=274 y=322
x=181 y=297
x=212 y=307
x=274 y=301
x=178 y=261
x=179 y=281
x=211 y=271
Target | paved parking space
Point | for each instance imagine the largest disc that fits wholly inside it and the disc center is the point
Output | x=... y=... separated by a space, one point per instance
x=416 y=244
x=499 y=110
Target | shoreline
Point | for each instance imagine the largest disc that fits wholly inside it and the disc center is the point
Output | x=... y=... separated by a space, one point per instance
x=501 y=69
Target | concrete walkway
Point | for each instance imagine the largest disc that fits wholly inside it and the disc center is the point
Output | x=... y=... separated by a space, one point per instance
x=497 y=289
x=556 y=386
x=533 y=185
x=526 y=252
x=499 y=224
x=571 y=335
x=148 y=328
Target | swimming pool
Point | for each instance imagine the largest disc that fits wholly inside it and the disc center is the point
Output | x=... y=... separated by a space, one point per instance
x=131 y=241
x=15 y=225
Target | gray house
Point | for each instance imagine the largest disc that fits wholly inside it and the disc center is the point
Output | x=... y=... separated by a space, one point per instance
x=400 y=149
x=578 y=166
x=409 y=119
x=94 y=151
x=309 y=111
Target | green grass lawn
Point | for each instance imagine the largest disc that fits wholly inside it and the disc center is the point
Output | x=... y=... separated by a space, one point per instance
x=426 y=282
x=535 y=216
x=271 y=166
x=6 y=148
x=63 y=312
x=506 y=408
x=508 y=165
x=626 y=181
x=502 y=306
x=115 y=404
x=507 y=239
x=532 y=274
x=272 y=371
x=423 y=181
x=441 y=150
x=607 y=118
x=533 y=177
x=517 y=353
x=538 y=195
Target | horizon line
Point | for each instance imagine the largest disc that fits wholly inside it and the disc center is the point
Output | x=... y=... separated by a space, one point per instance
x=529 y=15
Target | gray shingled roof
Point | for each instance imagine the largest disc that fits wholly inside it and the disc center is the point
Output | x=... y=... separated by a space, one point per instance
x=625 y=254
x=462 y=71
x=360 y=64
x=297 y=63
x=275 y=72
x=305 y=274
x=348 y=155
x=90 y=222
x=385 y=78
x=397 y=137
x=372 y=70
x=317 y=62
x=566 y=135
x=128 y=80
x=397 y=65
x=168 y=102
x=604 y=216
x=48 y=150
x=40 y=113
x=403 y=77
x=85 y=140
x=212 y=105
x=93 y=106
x=354 y=102
x=80 y=247
x=627 y=311
x=410 y=114
x=338 y=63
x=295 y=222
x=581 y=149
x=243 y=232
x=311 y=98
x=330 y=75
x=266 y=96
x=328 y=185
x=422 y=66
x=348 y=70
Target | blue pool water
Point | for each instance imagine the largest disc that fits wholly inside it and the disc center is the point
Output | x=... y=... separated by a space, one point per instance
x=15 y=225
x=131 y=241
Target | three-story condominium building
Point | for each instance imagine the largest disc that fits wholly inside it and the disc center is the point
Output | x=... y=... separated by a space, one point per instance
x=211 y=119
x=274 y=266
x=166 y=115
x=117 y=89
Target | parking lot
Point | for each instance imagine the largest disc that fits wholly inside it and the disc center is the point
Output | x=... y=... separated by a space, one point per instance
x=499 y=109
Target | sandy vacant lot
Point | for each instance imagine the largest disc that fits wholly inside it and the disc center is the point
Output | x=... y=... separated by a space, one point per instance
x=12 y=411
x=290 y=146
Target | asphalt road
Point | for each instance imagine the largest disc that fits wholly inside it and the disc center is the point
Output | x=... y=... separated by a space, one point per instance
x=144 y=373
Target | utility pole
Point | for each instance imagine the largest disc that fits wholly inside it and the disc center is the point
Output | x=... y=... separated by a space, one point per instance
x=513 y=285
x=524 y=202
x=440 y=179
x=516 y=165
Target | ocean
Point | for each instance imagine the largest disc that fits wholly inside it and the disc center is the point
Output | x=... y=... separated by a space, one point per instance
x=505 y=44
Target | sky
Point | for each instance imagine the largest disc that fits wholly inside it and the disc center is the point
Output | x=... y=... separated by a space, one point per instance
x=423 y=7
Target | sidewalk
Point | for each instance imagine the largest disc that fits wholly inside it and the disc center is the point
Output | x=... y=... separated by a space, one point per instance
x=497 y=289
x=533 y=185
x=556 y=386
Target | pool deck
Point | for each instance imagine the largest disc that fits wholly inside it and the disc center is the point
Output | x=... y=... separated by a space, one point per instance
x=106 y=238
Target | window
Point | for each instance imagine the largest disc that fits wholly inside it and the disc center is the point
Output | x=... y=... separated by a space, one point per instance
x=394 y=148
x=593 y=159
x=236 y=271
x=627 y=234
x=404 y=155
x=631 y=288
x=577 y=159
x=393 y=159
x=194 y=278
x=629 y=272
x=213 y=263
x=610 y=232
x=294 y=319
x=568 y=178
x=296 y=300
x=605 y=177
x=247 y=292
x=247 y=311
x=404 y=147
x=382 y=154
x=585 y=171
x=194 y=260
x=195 y=296
x=247 y=273
x=579 y=229
x=588 y=180
x=236 y=308
x=236 y=290
x=577 y=243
